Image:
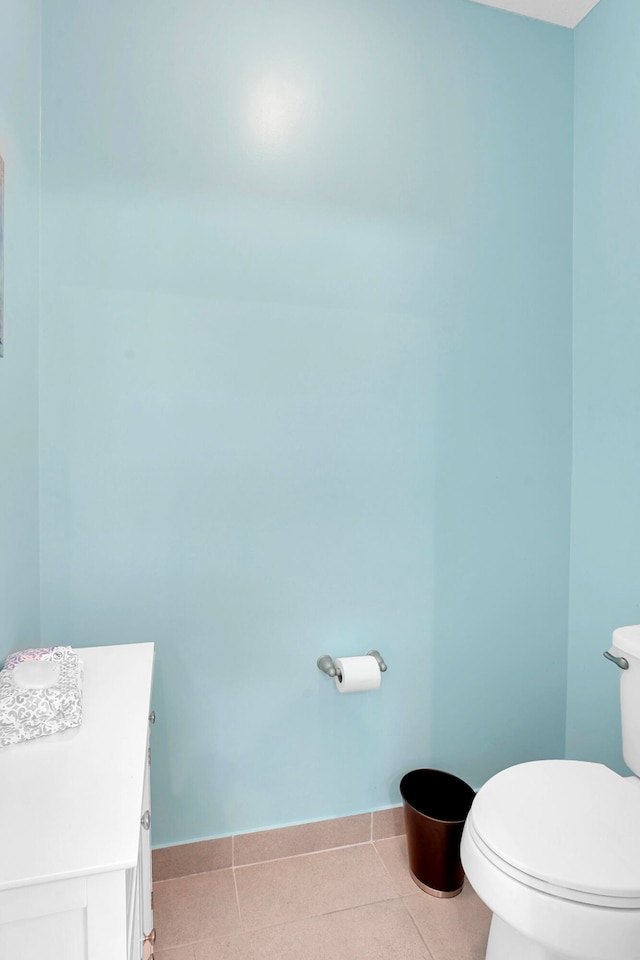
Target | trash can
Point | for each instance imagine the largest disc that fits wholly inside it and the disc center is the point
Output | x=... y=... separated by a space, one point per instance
x=435 y=805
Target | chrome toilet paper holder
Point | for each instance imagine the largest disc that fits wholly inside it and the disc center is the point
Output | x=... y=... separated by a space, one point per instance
x=326 y=664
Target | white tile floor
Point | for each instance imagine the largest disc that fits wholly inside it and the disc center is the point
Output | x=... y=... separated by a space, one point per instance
x=351 y=903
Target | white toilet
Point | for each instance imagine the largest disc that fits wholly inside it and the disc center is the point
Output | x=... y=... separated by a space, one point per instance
x=553 y=847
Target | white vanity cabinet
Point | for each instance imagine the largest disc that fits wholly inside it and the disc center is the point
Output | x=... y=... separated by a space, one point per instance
x=75 y=809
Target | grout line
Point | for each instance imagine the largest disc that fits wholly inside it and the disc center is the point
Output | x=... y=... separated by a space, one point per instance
x=255 y=863
x=233 y=837
x=270 y=925
x=387 y=871
x=235 y=884
x=186 y=876
x=307 y=853
x=258 y=928
x=420 y=933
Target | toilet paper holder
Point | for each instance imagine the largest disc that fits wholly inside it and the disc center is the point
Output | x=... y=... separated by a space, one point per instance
x=326 y=664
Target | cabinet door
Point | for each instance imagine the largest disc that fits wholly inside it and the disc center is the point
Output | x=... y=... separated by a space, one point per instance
x=134 y=919
x=144 y=870
x=44 y=920
x=59 y=936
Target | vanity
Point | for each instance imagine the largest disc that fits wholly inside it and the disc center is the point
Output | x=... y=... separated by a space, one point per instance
x=75 y=819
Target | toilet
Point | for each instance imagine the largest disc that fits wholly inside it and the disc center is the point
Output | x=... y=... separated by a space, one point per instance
x=553 y=846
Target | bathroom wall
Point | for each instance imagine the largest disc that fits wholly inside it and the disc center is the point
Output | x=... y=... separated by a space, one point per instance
x=605 y=559
x=20 y=149
x=306 y=332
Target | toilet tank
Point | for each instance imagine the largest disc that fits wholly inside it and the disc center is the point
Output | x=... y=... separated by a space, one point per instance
x=626 y=643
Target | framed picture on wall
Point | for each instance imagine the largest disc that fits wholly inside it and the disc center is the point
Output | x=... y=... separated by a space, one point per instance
x=1 y=257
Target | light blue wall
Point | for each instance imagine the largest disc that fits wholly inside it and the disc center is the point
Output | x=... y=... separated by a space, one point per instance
x=605 y=554
x=306 y=334
x=20 y=148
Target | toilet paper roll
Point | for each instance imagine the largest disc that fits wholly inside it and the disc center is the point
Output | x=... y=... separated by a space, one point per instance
x=357 y=674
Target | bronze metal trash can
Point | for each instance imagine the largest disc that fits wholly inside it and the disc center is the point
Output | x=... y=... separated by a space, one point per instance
x=436 y=805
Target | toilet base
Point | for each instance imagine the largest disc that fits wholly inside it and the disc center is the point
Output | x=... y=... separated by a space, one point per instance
x=506 y=943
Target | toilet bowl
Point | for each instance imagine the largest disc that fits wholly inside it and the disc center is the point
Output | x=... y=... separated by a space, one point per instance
x=553 y=848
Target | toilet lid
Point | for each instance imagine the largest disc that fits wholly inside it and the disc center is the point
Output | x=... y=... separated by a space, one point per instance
x=572 y=824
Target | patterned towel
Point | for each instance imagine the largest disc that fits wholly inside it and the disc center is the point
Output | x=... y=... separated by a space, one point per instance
x=30 y=712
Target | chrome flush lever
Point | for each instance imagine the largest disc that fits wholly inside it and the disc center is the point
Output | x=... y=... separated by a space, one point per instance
x=619 y=661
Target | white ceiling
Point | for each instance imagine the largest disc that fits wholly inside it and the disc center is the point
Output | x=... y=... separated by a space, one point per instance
x=567 y=13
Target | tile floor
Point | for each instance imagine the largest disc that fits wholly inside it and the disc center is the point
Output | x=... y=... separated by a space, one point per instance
x=351 y=903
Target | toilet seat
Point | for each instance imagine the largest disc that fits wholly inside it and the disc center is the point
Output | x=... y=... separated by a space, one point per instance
x=568 y=828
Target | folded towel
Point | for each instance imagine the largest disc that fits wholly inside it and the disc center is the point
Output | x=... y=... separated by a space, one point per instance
x=42 y=698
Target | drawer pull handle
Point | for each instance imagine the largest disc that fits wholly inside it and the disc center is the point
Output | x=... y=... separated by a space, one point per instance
x=152 y=717
x=151 y=937
x=145 y=820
